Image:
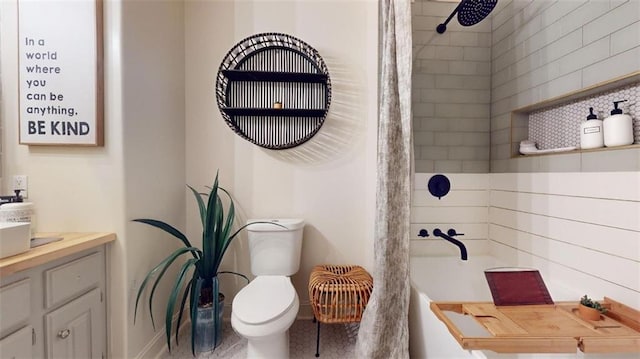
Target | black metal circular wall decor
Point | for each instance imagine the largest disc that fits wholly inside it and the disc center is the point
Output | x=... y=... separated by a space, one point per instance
x=273 y=90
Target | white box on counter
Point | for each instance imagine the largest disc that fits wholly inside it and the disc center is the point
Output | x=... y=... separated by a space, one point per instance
x=15 y=238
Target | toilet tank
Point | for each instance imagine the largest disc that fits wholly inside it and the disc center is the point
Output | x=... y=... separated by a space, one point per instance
x=275 y=249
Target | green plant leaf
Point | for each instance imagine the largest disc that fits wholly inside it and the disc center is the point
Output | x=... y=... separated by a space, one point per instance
x=173 y=296
x=225 y=238
x=165 y=227
x=171 y=259
x=201 y=206
x=216 y=310
x=185 y=295
x=195 y=295
x=218 y=241
x=163 y=264
x=209 y=230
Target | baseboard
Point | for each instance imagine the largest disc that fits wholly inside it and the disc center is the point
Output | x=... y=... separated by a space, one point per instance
x=305 y=311
x=157 y=346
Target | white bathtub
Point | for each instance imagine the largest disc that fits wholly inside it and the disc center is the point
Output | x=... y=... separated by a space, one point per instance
x=451 y=279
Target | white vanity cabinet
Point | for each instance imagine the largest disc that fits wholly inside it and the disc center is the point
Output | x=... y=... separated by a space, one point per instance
x=56 y=309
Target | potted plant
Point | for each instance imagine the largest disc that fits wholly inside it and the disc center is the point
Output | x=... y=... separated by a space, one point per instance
x=201 y=285
x=590 y=309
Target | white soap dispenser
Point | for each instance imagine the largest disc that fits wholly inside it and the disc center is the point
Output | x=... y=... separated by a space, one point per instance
x=618 y=128
x=591 y=133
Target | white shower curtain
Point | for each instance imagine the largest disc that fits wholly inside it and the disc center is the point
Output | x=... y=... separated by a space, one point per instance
x=384 y=331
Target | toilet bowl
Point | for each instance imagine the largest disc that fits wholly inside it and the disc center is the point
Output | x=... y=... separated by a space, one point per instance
x=265 y=309
x=262 y=312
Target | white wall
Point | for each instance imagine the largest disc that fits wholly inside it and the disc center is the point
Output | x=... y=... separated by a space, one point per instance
x=580 y=229
x=330 y=180
x=153 y=135
x=465 y=209
x=155 y=58
x=139 y=171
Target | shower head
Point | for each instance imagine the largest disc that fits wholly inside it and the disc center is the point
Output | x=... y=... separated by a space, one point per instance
x=470 y=12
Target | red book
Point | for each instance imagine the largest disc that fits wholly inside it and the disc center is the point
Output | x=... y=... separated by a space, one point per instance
x=517 y=287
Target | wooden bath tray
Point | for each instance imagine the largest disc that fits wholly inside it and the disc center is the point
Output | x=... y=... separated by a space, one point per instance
x=554 y=328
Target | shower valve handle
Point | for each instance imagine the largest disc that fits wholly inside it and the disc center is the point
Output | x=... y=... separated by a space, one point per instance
x=452 y=232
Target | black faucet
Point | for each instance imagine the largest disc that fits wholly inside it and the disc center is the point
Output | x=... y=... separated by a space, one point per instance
x=449 y=237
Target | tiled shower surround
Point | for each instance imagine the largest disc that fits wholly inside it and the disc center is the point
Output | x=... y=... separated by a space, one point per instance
x=560 y=126
x=451 y=91
x=464 y=89
x=546 y=49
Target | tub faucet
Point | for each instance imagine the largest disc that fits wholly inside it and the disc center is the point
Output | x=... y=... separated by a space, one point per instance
x=449 y=237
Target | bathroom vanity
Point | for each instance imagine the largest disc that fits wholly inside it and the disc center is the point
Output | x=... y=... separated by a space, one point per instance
x=53 y=298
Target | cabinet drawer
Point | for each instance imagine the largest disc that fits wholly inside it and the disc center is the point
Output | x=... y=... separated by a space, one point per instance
x=17 y=345
x=15 y=304
x=68 y=280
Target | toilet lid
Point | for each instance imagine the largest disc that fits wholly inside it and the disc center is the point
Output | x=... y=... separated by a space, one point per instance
x=264 y=299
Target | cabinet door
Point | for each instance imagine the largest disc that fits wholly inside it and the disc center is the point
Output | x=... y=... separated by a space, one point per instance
x=17 y=345
x=15 y=306
x=76 y=330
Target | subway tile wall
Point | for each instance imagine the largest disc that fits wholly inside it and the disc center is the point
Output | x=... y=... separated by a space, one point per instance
x=545 y=49
x=464 y=209
x=451 y=91
x=579 y=229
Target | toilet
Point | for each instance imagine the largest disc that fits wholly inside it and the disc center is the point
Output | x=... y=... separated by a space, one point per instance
x=264 y=310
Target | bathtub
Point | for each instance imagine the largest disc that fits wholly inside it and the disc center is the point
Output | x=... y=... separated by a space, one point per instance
x=451 y=279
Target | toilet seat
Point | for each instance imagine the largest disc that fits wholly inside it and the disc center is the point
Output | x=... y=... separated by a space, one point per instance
x=265 y=299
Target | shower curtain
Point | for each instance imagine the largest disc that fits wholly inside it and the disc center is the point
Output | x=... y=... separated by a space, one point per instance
x=384 y=331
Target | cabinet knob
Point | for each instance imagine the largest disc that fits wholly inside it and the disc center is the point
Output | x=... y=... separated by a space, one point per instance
x=63 y=334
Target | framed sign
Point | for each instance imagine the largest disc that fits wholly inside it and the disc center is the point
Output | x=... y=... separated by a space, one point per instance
x=61 y=74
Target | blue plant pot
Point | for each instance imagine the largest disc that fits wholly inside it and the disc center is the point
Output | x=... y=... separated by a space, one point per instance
x=206 y=324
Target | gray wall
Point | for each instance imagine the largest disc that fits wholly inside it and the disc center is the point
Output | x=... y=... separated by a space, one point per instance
x=451 y=91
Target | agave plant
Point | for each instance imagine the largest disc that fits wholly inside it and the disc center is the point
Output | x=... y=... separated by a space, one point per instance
x=199 y=274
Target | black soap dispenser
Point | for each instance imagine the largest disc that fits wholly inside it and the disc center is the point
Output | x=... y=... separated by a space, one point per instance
x=591 y=132
x=618 y=128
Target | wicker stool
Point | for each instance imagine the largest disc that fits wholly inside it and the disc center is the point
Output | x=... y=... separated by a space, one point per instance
x=338 y=294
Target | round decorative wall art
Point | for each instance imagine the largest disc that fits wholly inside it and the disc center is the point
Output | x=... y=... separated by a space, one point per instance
x=273 y=90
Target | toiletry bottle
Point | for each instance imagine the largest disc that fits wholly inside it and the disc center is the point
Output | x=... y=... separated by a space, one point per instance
x=618 y=128
x=591 y=134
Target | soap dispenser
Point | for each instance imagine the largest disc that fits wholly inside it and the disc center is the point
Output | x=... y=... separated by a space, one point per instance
x=591 y=133
x=618 y=128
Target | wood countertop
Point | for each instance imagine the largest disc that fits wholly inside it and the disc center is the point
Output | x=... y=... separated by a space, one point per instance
x=71 y=243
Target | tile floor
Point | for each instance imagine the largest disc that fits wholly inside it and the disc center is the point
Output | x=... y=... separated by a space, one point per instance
x=337 y=341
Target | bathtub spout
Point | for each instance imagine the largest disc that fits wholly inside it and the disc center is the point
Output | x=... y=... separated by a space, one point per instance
x=463 y=250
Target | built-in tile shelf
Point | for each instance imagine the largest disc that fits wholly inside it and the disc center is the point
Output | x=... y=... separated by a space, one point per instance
x=566 y=134
x=603 y=149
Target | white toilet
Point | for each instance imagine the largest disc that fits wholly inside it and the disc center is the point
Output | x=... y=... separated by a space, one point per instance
x=264 y=310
